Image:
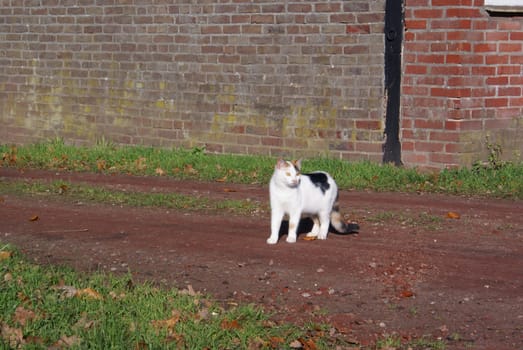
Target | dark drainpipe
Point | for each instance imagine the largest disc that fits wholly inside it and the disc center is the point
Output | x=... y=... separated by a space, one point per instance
x=393 y=42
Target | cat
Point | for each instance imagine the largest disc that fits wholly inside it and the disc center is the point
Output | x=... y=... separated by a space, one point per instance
x=295 y=194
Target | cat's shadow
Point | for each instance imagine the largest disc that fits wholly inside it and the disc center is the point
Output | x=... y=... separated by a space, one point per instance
x=304 y=227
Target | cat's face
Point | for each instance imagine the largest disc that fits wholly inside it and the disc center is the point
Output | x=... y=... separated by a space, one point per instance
x=289 y=171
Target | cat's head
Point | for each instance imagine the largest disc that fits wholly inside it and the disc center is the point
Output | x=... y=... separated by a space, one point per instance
x=289 y=171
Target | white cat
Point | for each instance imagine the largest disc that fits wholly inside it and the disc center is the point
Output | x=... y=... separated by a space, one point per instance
x=295 y=194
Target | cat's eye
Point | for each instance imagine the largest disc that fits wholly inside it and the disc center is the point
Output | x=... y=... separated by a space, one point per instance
x=287 y=174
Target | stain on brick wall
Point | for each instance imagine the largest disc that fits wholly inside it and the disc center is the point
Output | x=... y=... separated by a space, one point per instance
x=295 y=78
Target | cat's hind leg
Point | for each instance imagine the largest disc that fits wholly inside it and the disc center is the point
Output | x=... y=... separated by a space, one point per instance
x=324 y=219
x=315 y=228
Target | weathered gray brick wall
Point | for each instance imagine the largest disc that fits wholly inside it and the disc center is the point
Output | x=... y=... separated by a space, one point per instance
x=295 y=78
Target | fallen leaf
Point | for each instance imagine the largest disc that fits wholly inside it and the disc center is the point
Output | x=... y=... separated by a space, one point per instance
x=167 y=324
x=34 y=218
x=11 y=156
x=70 y=292
x=232 y=324
x=4 y=254
x=223 y=179
x=189 y=169
x=67 y=291
x=89 y=294
x=309 y=344
x=276 y=342
x=310 y=238
x=159 y=171
x=453 y=215
x=203 y=314
x=256 y=344
x=31 y=339
x=140 y=163
x=229 y=190
x=116 y=296
x=407 y=294
x=12 y=336
x=62 y=188
x=22 y=297
x=84 y=323
x=444 y=329
x=189 y=291
x=67 y=342
x=296 y=344
x=23 y=315
x=101 y=164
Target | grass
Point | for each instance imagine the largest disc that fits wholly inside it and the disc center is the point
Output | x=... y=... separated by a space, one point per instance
x=394 y=342
x=79 y=192
x=494 y=179
x=55 y=307
x=428 y=221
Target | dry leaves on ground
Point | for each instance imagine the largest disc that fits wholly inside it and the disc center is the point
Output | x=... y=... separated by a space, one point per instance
x=22 y=316
x=12 y=336
x=5 y=254
x=169 y=326
x=453 y=215
x=230 y=324
x=71 y=292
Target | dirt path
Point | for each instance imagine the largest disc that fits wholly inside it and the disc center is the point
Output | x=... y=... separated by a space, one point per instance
x=412 y=271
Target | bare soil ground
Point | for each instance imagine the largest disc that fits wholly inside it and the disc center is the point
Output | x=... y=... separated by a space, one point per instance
x=412 y=271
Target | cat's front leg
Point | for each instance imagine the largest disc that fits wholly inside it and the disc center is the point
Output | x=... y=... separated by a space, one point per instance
x=294 y=220
x=276 y=217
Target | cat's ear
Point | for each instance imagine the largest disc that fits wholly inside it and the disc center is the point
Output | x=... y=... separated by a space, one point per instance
x=281 y=164
x=297 y=163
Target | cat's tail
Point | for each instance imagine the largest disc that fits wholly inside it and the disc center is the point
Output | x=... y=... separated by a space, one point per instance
x=339 y=223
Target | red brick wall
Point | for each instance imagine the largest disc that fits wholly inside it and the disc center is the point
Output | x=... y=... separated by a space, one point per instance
x=463 y=81
x=293 y=78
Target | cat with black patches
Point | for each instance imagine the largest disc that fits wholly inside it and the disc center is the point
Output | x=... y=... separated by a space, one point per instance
x=299 y=195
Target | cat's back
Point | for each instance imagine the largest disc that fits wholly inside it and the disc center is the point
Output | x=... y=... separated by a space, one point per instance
x=319 y=180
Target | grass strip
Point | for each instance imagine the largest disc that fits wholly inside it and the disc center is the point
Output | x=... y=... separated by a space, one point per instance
x=56 y=307
x=86 y=193
x=493 y=178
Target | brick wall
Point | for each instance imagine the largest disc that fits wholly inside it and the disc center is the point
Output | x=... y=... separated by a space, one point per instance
x=296 y=78
x=463 y=82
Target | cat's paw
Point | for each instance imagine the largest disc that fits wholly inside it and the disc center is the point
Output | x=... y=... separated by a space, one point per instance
x=312 y=234
x=291 y=239
x=271 y=240
x=320 y=236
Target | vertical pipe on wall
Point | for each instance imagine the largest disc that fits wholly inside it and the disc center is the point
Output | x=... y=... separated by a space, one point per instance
x=393 y=43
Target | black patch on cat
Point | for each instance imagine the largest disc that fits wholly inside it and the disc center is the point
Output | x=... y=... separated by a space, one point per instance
x=319 y=180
